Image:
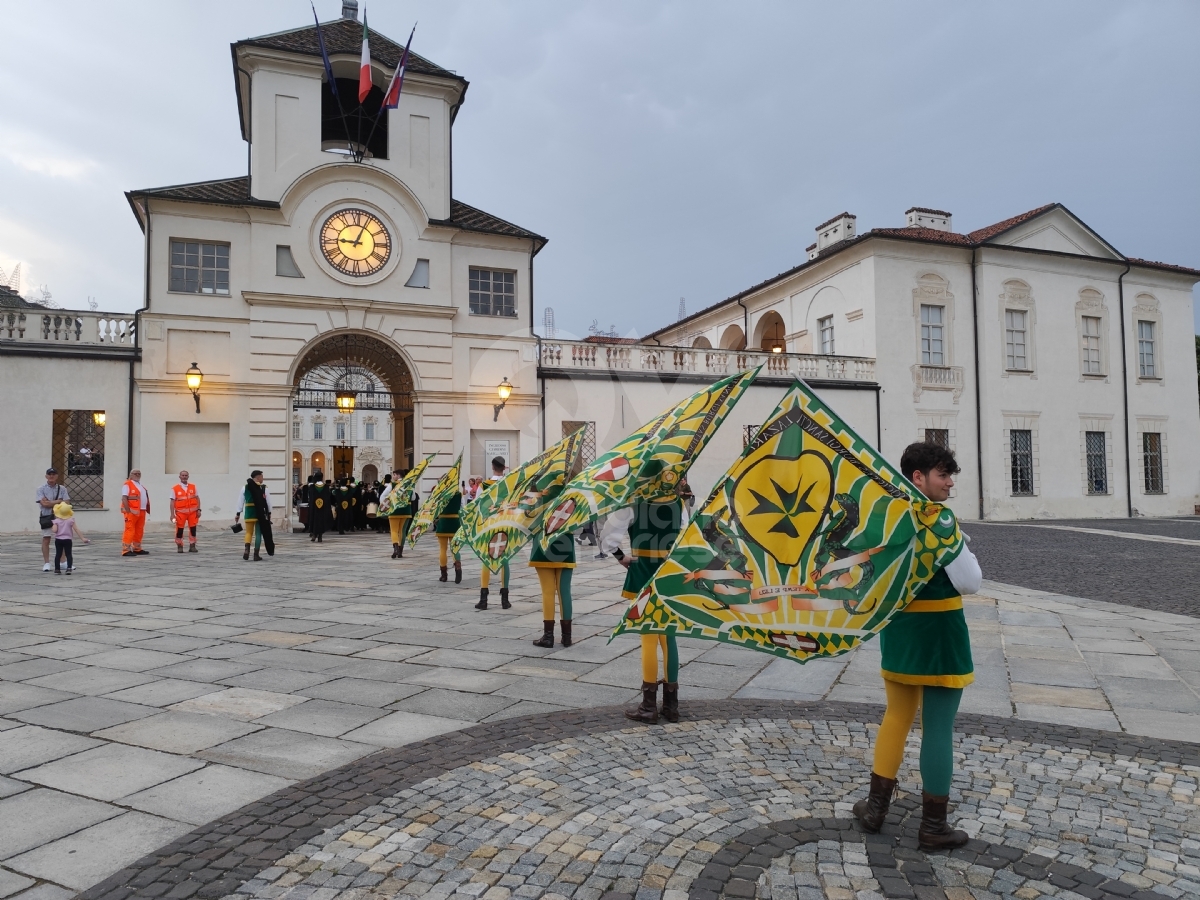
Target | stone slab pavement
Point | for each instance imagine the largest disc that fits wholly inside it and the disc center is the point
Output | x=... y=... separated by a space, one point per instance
x=140 y=698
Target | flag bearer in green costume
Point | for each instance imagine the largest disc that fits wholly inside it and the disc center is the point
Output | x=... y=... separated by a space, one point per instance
x=927 y=662
x=445 y=527
x=485 y=574
x=554 y=564
x=652 y=527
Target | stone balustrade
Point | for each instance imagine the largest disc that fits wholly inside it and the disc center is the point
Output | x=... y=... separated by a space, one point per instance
x=58 y=326
x=584 y=356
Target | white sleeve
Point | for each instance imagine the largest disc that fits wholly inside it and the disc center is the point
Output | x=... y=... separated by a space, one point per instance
x=616 y=529
x=240 y=505
x=964 y=572
x=125 y=490
x=267 y=497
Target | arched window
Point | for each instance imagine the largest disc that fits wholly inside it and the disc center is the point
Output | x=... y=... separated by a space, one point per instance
x=771 y=333
x=317 y=464
x=733 y=338
x=701 y=343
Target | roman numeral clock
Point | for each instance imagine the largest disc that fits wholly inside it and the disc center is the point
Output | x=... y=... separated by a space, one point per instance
x=355 y=242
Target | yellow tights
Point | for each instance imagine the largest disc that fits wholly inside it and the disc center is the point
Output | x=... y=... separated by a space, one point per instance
x=670 y=652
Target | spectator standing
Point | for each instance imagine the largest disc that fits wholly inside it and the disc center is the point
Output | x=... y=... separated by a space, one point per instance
x=135 y=507
x=48 y=495
x=185 y=511
x=64 y=527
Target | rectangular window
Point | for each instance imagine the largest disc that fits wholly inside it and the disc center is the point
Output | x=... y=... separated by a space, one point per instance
x=1146 y=367
x=340 y=428
x=826 y=327
x=198 y=268
x=1091 y=345
x=939 y=436
x=318 y=431
x=369 y=429
x=77 y=451
x=1097 y=469
x=493 y=293
x=1014 y=340
x=1152 y=461
x=1020 y=447
x=295 y=429
x=933 y=346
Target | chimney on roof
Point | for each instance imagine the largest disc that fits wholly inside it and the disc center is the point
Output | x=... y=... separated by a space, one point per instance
x=350 y=10
x=935 y=219
x=839 y=228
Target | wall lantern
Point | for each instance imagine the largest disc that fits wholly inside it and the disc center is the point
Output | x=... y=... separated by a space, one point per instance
x=777 y=349
x=503 y=391
x=99 y=418
x=345 y=401
x=194 y=379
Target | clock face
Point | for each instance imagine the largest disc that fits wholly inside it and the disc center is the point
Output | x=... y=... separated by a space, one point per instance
x=355 y=242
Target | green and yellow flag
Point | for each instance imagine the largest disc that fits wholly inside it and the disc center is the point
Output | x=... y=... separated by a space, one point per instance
x=806 y=548
x=402 y=493
x=649 y=463
x=447 y=486
x=501 y=521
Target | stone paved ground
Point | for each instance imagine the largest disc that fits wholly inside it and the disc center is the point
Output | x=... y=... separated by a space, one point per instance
x=1149 y=563
x=142 y=698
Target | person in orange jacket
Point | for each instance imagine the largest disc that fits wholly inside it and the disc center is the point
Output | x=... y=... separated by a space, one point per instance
x=185 y=510
x=135 y=507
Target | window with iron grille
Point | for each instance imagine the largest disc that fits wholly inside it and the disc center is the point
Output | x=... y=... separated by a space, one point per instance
x=318 y=431
x=1091 y=345
x=369 y=431
x=198 y=268
x=587 y=452
x=77 y=451
x=1152 y=461
x=939 y=436
x=295 y=429
x=1015 y=344
x=1097 y=467
x=1146 y=368
x=1020 y=448
x=933 y=345
x=826 y=329
x=493 y=293
x=748 y=434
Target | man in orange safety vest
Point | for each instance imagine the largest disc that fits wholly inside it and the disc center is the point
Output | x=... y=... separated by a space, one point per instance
x=135 y=506
x=185 y=510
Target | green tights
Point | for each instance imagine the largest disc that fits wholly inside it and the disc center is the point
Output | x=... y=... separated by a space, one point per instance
x=939 y=706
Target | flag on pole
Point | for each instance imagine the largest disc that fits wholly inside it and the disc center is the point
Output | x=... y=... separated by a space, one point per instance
x=364 y=65
x=447 y=486
x=402 y=491
x=650 y=462
x=392 y=98
x=502 y=520
x=807 y=547
x=325 y=58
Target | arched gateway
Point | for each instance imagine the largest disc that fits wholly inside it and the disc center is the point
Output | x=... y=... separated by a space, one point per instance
x=352 y=375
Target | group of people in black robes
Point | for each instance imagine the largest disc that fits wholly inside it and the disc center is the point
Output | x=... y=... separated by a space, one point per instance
x=344 y=505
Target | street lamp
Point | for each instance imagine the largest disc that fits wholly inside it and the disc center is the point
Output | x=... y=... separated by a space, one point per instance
x=503 y=391
x=194 y=379
x=345 y=401
x=99 y=418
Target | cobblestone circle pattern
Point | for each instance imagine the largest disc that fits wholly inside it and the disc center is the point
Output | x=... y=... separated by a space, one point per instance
x=742 y=800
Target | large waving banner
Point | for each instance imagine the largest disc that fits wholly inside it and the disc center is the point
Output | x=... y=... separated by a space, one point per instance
x=806 y=548
x=650 y=462
x=501 y=521
x=447 y=486
x=404 y=488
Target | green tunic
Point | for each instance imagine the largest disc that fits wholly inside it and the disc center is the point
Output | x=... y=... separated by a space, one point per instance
x=559 y=555
x=928 y=643
x=651 y=536
x=249 y=510
x=446 y=524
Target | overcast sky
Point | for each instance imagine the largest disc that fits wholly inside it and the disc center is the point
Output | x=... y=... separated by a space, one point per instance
x=670 y=149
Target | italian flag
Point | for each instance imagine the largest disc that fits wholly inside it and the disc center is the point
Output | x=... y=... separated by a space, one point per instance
x=364 y=66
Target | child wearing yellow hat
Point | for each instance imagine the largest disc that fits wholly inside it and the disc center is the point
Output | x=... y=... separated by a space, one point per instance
x=63 y=527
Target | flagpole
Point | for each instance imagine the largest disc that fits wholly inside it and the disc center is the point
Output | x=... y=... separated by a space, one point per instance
x=399 y=73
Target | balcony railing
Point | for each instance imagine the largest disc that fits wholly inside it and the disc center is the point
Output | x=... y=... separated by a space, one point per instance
x=30 y=326
x=582 y=356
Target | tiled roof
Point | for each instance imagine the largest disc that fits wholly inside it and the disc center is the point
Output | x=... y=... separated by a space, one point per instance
x=10 y=299
x=223 y=191
x=991 y=231
x=345 y=36
x=468 y=218
x=1166 y=267
x=925 y=209
x=925 y=235
x=841 y=215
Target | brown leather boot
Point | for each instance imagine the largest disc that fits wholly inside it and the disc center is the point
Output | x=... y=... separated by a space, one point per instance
x=647 y=710
x=483 y=595
x=179 y=546
x=257 y=555
x=670 y=708
x=246 y=555
x=504 y=604
x=443 y=575
x=565 y=624
x=395 y=551
x=871 y=811
x=547 y=638
x=934 y=833
x=457 y=572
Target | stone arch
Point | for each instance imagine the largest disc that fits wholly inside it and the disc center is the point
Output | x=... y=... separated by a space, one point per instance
x=770 y=332
x=316 y=463
x=733 y=338
x=370 y=473
x=702 y=343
